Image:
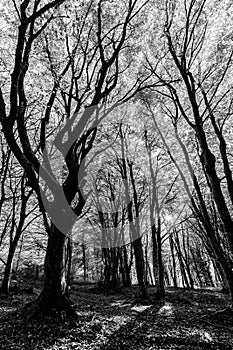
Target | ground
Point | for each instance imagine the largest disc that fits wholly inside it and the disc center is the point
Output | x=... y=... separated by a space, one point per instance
x=110 y=321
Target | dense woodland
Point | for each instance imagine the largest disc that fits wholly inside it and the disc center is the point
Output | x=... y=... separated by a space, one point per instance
x=116 y=148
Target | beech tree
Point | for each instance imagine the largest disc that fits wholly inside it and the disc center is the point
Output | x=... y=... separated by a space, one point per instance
x=77 y=91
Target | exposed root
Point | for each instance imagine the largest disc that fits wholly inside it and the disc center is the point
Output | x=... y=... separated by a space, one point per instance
x=58 y=307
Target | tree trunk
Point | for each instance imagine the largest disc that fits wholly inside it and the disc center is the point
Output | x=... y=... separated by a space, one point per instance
x=126 y=268
x=155 y=255
x=161 y=288
x=221 y=277
x=186 y=260
x=7 y=272
x=13 y=245
x=84 y=262
x=68 y=265
x=140 y=266
x=197 y=268
x=52 y=297
x=181 y=262
x=150 y=275
x=174 y=275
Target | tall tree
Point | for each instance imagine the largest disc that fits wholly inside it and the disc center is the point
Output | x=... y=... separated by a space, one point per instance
x=84 y=90
x=197 y=93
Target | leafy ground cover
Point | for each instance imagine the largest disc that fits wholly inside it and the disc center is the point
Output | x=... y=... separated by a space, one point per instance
x=110 y=321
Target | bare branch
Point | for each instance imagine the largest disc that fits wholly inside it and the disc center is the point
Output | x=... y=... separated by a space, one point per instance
x=40 y=12
x=16 y=9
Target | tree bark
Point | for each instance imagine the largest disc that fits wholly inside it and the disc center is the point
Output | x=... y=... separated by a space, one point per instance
x=155 y=254
x=84 y=262
x=161 y=288
x=174 y=274
x=140 y=265
x=53 y=295
x=7 y=272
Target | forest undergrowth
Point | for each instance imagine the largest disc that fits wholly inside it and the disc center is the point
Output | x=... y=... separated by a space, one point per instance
x=109 y=321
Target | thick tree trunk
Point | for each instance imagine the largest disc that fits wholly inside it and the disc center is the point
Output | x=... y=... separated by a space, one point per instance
x=52 y=297
x=140 y=265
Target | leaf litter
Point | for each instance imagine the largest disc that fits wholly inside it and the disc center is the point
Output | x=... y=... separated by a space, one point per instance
x=108 y=320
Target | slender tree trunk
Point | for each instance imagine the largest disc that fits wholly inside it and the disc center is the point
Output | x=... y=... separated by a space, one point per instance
x=84 y=263
x=155 y=255
x=161 y=288
x=150 y=275
x=146 y=262
x=194 y=258
x=181 y=262
x=106 y=261
x=166 y=277
x=69 y=249
x=174 y=274
x=115 y=267
x=15 y=239
x=186 y=260
x=7 y=272
x=127 y=268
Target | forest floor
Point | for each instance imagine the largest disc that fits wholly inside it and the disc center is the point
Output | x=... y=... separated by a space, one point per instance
x=111 y=321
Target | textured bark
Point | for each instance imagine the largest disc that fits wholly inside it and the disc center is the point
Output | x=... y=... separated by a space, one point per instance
x=52 y=295
x=96 y=91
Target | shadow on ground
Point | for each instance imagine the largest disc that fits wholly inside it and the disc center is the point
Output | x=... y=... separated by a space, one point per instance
x=110 y=321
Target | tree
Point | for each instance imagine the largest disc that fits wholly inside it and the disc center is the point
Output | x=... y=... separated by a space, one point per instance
x=161 y=193
x=16 y=210
x=198 y=96
x=18 y=227
x=84 y=91
x=134 y=203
